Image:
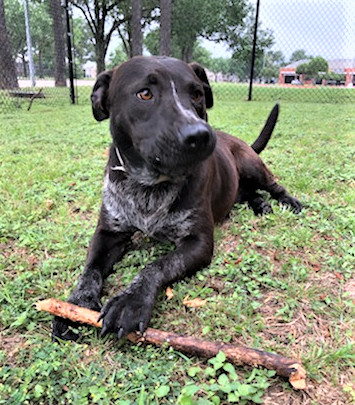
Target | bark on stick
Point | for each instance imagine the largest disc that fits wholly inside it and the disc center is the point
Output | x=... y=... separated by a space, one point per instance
x=239 y=355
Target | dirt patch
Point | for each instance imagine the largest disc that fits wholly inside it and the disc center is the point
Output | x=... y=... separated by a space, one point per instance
x=12 y=345
x=349 y=287
x=12 y=254
x=315 y=394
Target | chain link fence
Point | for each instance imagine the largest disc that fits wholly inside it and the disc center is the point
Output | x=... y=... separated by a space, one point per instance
x=298 y=51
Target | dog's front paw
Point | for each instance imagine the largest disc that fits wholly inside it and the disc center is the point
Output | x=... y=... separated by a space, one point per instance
x=292 y=202
x=64 y=329
x=126 y=313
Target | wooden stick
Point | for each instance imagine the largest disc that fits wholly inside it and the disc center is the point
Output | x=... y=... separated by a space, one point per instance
x=238 y=355
x=36 y=95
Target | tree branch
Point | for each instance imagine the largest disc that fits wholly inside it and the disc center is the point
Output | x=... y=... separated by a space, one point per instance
x=91 y=21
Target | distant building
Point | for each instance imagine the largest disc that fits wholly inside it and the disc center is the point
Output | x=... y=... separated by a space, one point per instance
x=288 y=74
x=90 y=69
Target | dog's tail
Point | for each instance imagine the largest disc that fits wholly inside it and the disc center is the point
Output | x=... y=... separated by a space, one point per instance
x=265 y=134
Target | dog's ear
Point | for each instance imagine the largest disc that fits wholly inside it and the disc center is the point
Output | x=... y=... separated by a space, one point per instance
x=99 y=96
x=201 y=74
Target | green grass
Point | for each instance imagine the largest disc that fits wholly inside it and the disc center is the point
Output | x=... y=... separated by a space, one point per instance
x=319 y=94
x=280 y=282
x=231 y=91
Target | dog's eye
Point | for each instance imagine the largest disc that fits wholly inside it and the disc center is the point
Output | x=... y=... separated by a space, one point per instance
x=196 y=96
x=145 y=95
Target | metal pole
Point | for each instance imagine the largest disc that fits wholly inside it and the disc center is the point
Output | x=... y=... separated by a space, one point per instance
x=29 y=46
x=253 y=51
x=70 y=53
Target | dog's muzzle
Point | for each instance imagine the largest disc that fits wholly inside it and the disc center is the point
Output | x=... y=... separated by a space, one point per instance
x=193 y=143
x=196 y=137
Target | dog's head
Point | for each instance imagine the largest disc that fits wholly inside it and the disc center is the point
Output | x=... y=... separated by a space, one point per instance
x=157 y=107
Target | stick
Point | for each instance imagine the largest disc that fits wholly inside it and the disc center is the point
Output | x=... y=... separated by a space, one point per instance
x=238 y=355
x=36 y=95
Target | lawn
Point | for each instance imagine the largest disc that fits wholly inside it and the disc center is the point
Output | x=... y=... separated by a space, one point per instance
x=282 y=282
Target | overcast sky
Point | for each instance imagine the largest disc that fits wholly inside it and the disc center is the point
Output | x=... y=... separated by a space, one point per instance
x=321 y=27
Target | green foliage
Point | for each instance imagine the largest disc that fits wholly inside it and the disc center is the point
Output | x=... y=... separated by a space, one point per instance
x=117 y=57
x=215 y=20
x=299 y=54
x=243 y=45
x=318 y=65
x=41 y=32
x=84 y=48
x=220 y=383
x=271 y=64
x=313 y=68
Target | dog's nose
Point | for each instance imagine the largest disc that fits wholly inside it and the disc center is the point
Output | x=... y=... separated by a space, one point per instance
x=195 y=136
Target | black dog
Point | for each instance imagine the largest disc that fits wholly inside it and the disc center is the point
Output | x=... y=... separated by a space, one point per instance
x=170 y=176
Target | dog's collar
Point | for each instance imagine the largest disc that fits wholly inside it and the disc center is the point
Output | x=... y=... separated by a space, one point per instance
x=121 y=166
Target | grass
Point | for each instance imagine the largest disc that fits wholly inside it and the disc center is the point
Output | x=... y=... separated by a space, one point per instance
x=280 y=282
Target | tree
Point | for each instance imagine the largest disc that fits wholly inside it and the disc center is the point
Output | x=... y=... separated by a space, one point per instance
x=84 y=44
x=103 y=18
x=16 y=29
x=191 y=20
x=314 y=68
x=42 y=38
x=8 y=75
x=117 y=57
x=272 y=62
x=299 y=54
x=137 y=36
x=217 y=20
x=124 y=30
x=41 y=32
x=58 y=32
x=318 y=65
x=165 y=27
x=242 y=46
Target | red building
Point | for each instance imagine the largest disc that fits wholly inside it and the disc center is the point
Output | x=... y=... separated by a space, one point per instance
x=288 y=75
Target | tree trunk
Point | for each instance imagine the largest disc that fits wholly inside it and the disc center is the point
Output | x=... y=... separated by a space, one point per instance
x=24 y=65
x=100 y=54
x=40 y=64
x=8 y=74
x=59 y=43
x=165 y=27
x=136 y=26
x=186 y=53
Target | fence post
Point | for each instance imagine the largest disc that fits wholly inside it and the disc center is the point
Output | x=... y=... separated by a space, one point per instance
x=70 y=53
x=253 y=51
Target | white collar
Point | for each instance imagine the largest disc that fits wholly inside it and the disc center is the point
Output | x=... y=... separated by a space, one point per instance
x=121 y=165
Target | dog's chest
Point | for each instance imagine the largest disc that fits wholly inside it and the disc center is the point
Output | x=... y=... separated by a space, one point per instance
x=132 y=207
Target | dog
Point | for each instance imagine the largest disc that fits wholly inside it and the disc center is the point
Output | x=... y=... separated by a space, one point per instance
x=169 y=175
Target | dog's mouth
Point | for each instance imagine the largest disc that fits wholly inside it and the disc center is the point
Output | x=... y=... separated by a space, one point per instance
x=171 y=157
x=178 y=162
x=178 y=154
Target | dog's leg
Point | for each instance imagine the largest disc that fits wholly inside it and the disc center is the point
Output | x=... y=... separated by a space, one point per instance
x=131 y=309
x=106 y=248
x=259 y=205
x=280 y=194
x=255 y=175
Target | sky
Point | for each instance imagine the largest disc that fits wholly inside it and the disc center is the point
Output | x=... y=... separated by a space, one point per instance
x=321 y=27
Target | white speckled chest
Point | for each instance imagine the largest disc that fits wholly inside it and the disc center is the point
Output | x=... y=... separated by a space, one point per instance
x=131 y=206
